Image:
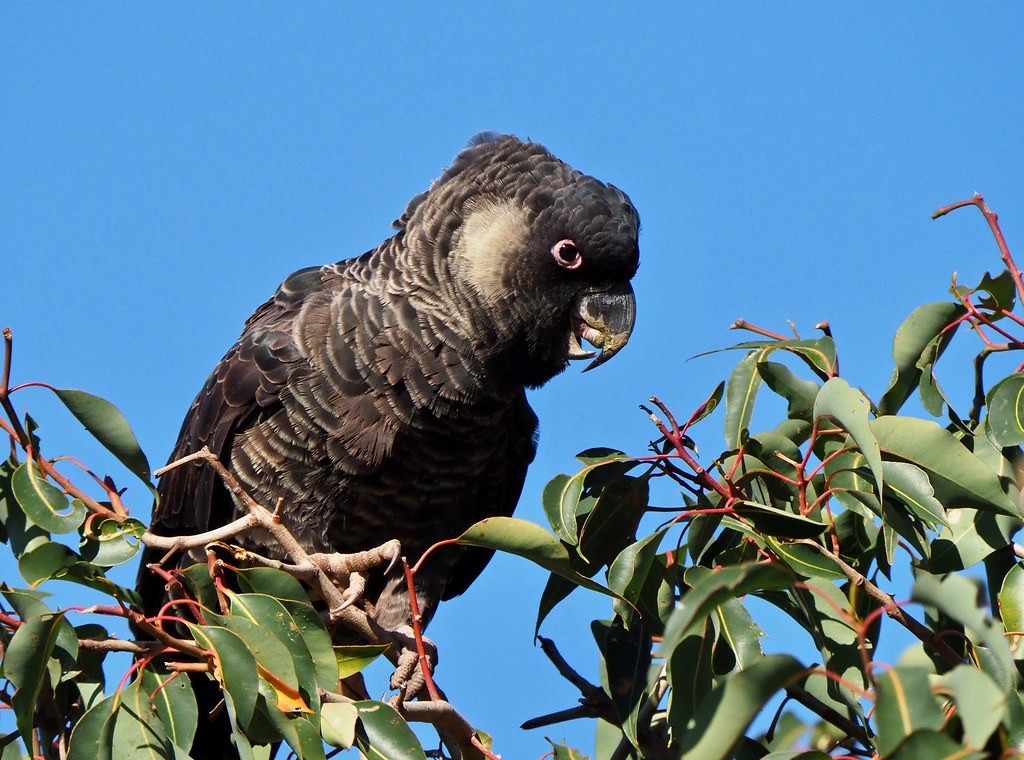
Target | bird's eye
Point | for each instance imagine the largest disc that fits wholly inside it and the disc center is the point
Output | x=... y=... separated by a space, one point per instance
x=567 y=255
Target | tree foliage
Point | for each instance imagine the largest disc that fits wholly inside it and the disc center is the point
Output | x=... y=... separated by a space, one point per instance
x=836 y=498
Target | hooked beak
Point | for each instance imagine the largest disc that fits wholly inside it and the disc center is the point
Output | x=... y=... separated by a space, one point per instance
x=605 y=320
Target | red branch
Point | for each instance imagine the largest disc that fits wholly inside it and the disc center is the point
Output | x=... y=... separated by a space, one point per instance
x=417 y=632
x=993 y=222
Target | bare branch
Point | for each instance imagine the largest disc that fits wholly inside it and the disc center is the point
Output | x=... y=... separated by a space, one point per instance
x=339 y=609
x=118 y=645
x=455 y=731
x=175 y=544
x=993 y=223
x=742 y=324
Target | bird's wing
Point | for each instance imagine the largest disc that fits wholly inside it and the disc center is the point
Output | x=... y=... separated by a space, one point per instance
x=243 y=389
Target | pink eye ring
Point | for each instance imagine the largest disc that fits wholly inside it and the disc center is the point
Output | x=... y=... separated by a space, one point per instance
x=567 y=255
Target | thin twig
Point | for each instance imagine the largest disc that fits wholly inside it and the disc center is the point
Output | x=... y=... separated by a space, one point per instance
x=742 y=324
x=892 y=609
x=703 y=475
x=829 y=714
x=993 y=223
x=5 y=384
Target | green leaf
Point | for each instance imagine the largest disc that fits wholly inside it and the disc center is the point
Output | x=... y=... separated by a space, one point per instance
x=45 y=561
x=93 y=735
x=611 y=523
x=175 y=705
x=1011 y=609
x=690 y=675
x=297 y=730
x=1015 y=721
x=805 y=560
x=555 y=591
x=272 y=582
x=912 y=339
x=980 y=702
x=628 y=573
x=563 y=752
x=905 y=705
x=382 y=734
x=28 y=604
x=934 y=746
x=960 y=479
x=737 y=628
x=338 y=724
x=779 y=522
x=268 y=616
x=725 y=715
x=911 y=486
x=798 y=392
x=200 y=585
x=138 y=730
x=352 y=659
x=825 y=612
x=560 y=498
x=107 y=425
x=849 y=407
x=1005 y=402
x=709 y=405
x=710 y=589
x=109 y=542
x=45 y=504
x=933 y=398
x=25 y=665
x=956 y=596
x=970 y=537
x=818 y=353
x=740 y=394
x=626 y=657
x=602 y=455
x=15 y=527
x=318 y=642
x=1002 y=293
x=235 y=670
x=530 y=541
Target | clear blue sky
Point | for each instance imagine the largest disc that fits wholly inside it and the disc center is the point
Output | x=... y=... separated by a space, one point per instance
x=163 y=167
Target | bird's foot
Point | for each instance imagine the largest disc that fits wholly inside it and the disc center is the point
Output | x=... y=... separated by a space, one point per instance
x=408 y=678
x=349 y=570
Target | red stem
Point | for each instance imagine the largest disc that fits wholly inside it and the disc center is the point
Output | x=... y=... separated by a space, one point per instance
x=993 y=223
x=417 y=632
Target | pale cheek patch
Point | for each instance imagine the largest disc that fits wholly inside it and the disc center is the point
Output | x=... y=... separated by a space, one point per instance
x=492 y=236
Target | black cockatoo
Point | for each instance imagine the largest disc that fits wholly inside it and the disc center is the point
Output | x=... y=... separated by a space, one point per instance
x=384 y=396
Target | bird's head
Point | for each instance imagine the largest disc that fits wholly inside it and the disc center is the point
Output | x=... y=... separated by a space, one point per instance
x=544 y=252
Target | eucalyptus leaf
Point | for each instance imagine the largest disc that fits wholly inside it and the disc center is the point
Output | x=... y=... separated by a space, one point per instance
x=740 y=394
x=905 y=705
x=1005 y=403
x=382 y=734
x=525 y=539
x=851 y=410
x=960 y=479
x=913 y=337
x=727 y=712
x=107 y=425
x=45 y=504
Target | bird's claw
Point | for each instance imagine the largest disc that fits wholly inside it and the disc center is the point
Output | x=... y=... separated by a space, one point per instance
x=348 y=570
x=408 y=678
